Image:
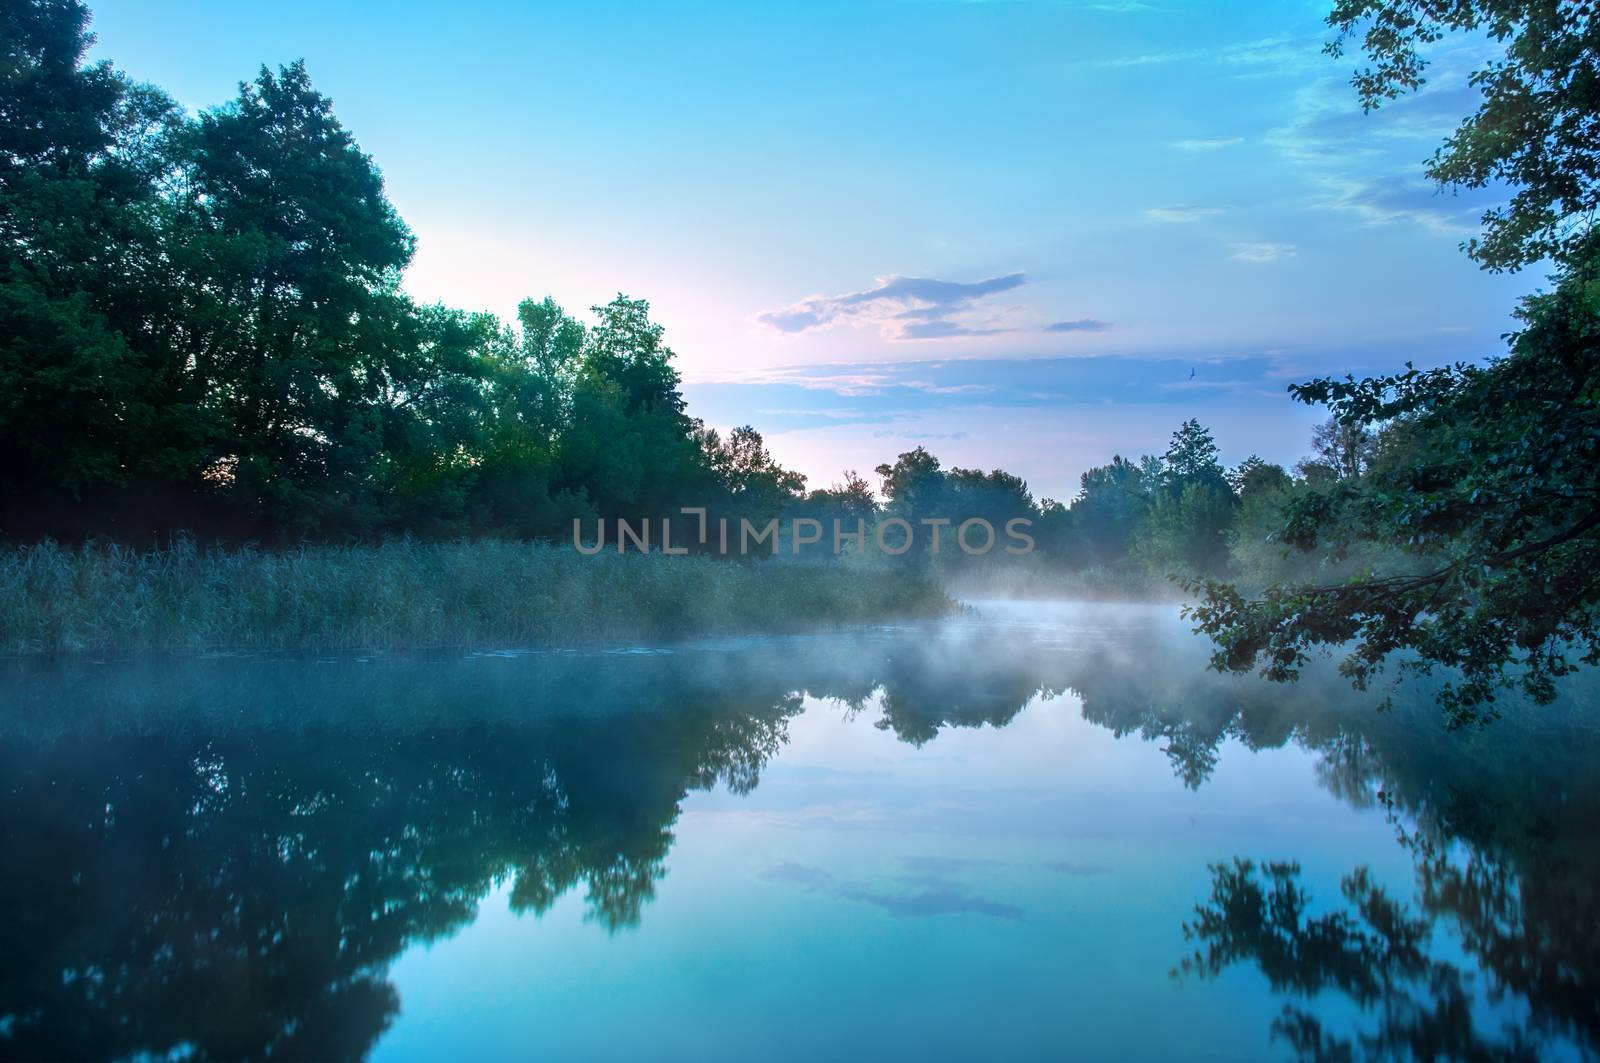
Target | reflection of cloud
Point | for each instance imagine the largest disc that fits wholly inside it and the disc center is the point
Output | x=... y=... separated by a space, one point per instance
x=935 y=865
x=905 y=308
x=931 y=893
x=839 y=815
x=1263 y=252
x=1087 y=324
x=1067 y=867
x=1181 y=215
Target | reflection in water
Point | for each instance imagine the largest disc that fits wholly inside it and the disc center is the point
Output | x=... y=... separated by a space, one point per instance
x=223 y=858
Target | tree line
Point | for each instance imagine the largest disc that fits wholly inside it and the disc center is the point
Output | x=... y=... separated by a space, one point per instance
x=202 y=328
x=204 y=331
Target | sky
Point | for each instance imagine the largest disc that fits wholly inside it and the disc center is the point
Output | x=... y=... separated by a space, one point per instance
x=1026 y=234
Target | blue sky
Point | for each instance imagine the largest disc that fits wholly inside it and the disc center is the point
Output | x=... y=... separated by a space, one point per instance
x=1025 y=233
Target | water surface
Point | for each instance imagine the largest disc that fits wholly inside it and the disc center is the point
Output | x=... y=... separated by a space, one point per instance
x=1036 y=831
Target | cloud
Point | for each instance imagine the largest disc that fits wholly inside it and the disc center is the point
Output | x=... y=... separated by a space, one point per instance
x=904 y=308
x=1276 y=55
x=1207 y=143
x=1263 y=252
x=918 y=437
x=831 y=390
x=938 y=330
x=1181 y=215
x=1453 y=213
x=797 y=319
x=1364 y=164
x=1087 y=324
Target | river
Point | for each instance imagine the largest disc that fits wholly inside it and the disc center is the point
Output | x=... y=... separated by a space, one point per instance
x=1032 y=831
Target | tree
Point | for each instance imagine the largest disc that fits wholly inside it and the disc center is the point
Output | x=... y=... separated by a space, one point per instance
x=914 y=484
x=528 y=384
x=201 y=321
x=754 y=486
x=1192 y=457
x=1485 y=499
x=1339 y=451
x=997 y=496
x=1188 y=527
x=88 y=396
x=1255 y=476
x=631 y=449
x=848 y=502
x=1191 y=513
x=1110 y=513
x=1534 y=130
x=295 y=275
x=1490 y=499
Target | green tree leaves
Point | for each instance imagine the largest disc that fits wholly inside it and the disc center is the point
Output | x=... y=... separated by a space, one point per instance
x=1468 y=495
x=1535 y=130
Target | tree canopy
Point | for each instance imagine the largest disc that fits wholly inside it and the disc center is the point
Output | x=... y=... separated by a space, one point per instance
x=1535 y=130
x=1469 y=494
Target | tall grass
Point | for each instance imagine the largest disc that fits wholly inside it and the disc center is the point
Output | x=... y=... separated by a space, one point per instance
x=407 y=595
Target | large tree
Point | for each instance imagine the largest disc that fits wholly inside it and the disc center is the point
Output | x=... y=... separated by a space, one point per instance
x=1535 y=129
x=88 y=392
x=1484 y=499
x=294 y=272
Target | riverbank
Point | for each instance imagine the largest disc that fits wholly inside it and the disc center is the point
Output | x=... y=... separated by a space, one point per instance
x=407 y=595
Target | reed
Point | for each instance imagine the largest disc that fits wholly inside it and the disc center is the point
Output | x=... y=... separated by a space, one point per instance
x=410 y=595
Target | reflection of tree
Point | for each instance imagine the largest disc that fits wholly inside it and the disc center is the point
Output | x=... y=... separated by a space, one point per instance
x=241 y=893
x=227 y=856
x=1499 y=827
x=1498 y=822
x=1374 y=950
x=923 y=693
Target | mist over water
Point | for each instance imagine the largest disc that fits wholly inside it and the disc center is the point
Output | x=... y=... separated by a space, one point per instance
x=1013 y=832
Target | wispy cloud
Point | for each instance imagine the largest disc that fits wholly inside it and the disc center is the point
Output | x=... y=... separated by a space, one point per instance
x=918 y=437
x=1364 y=164
x=1181 y=215
x=940 y=329
x=1263 y=252
x=1207 y=143
x=904 y=308
x=1087 y=324
x=1446 y=212
x=1264 y=55
x=828 y=392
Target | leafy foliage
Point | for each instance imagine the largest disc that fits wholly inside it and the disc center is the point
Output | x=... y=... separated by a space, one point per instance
x=1468 y=495
x=1535 y=129
x=204 y=330
x=1488 y=489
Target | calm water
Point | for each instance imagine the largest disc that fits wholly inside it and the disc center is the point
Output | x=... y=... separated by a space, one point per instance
x=1013 y=835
